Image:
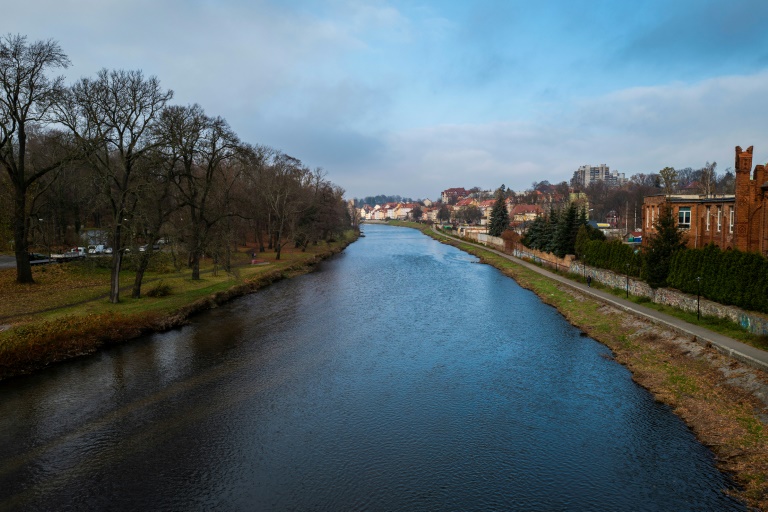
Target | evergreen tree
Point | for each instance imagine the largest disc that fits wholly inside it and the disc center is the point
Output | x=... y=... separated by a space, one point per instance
x=567 y=229
x=534 y=236
x=499 y=215
x=584 y=235
x=550 y=232
x=662 y=245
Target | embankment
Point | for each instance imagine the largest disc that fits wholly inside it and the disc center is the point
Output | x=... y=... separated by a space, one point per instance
x=724 y=402
x=33 y=346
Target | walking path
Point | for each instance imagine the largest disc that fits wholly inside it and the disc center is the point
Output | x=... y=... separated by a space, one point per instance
x=741 y=351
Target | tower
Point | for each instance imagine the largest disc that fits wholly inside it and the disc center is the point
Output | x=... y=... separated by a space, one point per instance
x=743 y=166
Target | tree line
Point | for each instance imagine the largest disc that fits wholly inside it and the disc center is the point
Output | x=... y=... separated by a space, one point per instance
x=112 y=152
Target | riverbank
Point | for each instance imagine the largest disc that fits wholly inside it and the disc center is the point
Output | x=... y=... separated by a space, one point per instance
x=80 y=320
x=723 y=401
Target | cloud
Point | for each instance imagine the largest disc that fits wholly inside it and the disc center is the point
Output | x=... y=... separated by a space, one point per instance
x=405 y=98
x=641 y=129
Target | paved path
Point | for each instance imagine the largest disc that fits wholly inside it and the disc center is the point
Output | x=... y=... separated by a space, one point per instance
x=745 y=353
x=7 y=262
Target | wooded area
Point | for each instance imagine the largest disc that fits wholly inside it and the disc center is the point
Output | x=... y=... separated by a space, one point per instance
x=112 y=154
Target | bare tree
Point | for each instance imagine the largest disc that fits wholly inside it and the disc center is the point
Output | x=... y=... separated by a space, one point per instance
x=155 y=206
x=26 y=97
x=205 y=149
x=111 y=118
x=284 y=196
x=708 y=178
x=668 y=177
x=727 y=182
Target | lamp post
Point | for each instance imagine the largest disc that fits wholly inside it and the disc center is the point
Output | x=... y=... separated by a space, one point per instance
x=627 y=265
x=698 y=298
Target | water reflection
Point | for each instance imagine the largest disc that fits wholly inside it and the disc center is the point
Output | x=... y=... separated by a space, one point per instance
x=400 y=376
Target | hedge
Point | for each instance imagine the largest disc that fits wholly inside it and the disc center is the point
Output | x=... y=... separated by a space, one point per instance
x=613 y=255
x=729 y=277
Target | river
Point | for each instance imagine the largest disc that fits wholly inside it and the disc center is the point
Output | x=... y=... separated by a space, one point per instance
x=401 y=375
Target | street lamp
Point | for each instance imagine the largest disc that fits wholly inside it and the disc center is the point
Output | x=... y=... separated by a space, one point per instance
x=627 y=265
x=698 y=298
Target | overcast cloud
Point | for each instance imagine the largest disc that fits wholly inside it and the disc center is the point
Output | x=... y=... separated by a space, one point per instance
x=412 y=97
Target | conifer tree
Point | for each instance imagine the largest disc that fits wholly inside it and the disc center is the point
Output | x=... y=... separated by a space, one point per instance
x=499 y=215
x=662 y=245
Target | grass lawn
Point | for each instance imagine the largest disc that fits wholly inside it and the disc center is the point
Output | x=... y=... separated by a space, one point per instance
x=67 y=312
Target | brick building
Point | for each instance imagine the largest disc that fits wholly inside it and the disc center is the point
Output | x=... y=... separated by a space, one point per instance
x=737 y=221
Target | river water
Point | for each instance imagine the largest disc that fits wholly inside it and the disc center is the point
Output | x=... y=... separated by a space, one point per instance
x=400 y=376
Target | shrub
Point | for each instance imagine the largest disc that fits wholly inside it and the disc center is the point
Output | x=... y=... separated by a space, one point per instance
x=728 y=277
x=161 y=289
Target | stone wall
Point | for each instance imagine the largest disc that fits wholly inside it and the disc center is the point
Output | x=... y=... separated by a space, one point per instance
x=751 y=321
x=545 y=258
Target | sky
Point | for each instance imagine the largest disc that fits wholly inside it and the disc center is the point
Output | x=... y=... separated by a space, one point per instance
x=412 y=97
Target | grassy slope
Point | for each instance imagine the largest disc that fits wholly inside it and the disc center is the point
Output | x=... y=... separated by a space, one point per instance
x=67 y=313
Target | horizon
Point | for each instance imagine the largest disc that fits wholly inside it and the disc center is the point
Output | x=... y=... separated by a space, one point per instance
x=412 y=98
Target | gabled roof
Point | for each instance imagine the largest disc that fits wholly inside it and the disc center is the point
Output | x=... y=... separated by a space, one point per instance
x=521 y=209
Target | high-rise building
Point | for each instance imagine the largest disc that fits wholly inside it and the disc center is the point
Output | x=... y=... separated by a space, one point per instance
x=587 y=174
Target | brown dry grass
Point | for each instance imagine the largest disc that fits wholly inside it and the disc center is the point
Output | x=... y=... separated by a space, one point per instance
x=55 y=286
x=66 y=313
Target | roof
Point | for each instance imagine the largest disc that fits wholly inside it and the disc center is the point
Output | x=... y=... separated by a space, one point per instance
x=689 y=198
x=521 y=209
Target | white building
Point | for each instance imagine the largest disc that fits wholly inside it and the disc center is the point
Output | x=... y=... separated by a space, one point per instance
x=587 y=174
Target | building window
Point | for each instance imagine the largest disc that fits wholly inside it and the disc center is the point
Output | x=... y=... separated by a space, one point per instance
x=730 y=225
x=684 y=217
x=719 y=218
x=709 y=212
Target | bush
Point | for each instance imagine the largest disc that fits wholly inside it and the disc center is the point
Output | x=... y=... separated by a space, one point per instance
x=161 y=289
x=612 y=255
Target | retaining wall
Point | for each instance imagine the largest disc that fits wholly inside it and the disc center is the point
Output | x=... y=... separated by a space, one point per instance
x=753 y=322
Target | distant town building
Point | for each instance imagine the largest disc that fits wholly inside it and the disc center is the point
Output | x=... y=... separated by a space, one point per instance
x=453 y=194
x=737 y=221
x=586 y=174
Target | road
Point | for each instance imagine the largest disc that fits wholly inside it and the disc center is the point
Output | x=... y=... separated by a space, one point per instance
x=7 y=262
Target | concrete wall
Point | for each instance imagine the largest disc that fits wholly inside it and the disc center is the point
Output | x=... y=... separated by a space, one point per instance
x=492 y=241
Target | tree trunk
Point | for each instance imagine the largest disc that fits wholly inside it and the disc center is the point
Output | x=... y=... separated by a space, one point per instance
x=114 y=289
x=117 y=263
x=195 y=264
x=259 y=237
x=143 y=264
x=20 y=242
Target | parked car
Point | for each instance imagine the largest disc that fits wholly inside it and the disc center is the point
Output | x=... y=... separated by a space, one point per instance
x=107 y=250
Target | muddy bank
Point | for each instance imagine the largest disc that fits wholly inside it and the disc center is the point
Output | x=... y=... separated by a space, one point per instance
x=41 y=344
